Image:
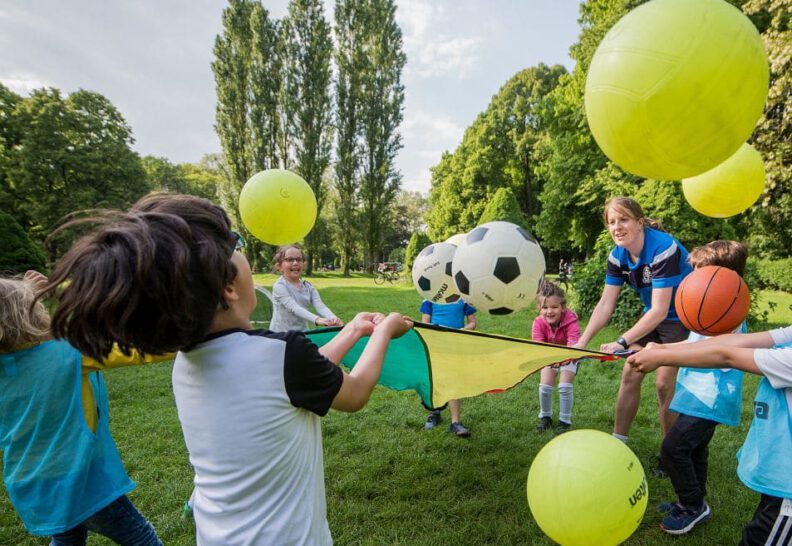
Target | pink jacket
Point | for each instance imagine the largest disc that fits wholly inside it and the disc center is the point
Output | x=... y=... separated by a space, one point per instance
x=567 y=333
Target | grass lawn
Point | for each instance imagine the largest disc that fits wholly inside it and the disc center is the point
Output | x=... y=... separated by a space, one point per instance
x=389 y=482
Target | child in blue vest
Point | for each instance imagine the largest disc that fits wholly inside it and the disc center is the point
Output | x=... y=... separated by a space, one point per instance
x=61 y=468
x=765 y=459
x=459 y=315
x=703 y=399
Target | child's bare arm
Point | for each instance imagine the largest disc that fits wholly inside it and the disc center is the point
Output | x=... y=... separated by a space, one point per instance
x=694 y=355
x=359 y=383
x=471 y=322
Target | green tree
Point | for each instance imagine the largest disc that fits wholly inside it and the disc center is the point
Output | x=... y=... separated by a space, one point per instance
x=577 y=174
x=503 y=207
x=308 y=52
x=266 y=72
x=72 y=154
x=232 y=73
x=407 y=210
x=18 y=252
x=497 y=151
x=769 y=224
x=185 y=178
x=349 y=57
x=418 y=241
x=381 y=110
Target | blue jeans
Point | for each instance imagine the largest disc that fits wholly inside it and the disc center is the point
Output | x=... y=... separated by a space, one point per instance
x=119 y=521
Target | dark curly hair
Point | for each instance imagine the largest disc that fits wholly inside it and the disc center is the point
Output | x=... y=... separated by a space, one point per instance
x=151 y=279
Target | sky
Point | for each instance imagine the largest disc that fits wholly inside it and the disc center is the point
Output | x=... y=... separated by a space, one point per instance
x=152 y=60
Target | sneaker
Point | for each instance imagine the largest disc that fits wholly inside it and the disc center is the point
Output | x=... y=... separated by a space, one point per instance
x=562 y=427
x=432 y=420
x=545 y=423
x=459 y=429
x=682 y=519
x=667 y=507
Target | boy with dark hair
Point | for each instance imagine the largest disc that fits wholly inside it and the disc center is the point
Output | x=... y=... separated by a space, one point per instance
x=167 y=277
x=703 y=399
x=765 y=458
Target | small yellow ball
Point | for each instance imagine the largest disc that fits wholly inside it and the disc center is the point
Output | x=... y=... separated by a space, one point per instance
x=277 y=206
x=730 y=188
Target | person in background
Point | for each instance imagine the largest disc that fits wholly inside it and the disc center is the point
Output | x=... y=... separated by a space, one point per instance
x=451 y=315
x=293 y=297
x=555 y=324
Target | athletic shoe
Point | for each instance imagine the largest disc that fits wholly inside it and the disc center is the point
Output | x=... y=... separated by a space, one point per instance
x=563 y=427
x=459 y=429
x=682 y=519
x=432 y=420
x=545 y=423
x=666 y=507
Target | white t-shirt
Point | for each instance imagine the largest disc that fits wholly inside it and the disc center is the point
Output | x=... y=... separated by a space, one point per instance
x=776 y=364
x=249 y=403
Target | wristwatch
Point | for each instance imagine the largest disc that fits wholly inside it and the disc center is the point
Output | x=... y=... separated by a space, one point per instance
x=623 y=342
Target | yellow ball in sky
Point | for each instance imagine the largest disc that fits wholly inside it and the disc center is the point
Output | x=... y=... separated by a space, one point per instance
x=277 y=206
x=676 y=87
x=730 y=188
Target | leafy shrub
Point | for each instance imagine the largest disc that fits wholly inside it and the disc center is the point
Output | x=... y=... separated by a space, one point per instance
x=774 y=274
x=589 y=280
x=18 y=252
x=503 y=207
x=418 y=242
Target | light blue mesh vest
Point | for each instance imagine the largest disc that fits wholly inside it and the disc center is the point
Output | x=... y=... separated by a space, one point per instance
x=709 y=393
x=56 y=470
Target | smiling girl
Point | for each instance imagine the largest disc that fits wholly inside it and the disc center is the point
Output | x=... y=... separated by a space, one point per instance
x=653 y=263
x=292 y=296
x=559 y=325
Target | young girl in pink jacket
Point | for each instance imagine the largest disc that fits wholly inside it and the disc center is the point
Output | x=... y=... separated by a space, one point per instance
x=559 y=325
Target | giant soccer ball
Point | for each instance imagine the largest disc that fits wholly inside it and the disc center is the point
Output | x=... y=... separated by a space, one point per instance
x=498 y=268
x=431 y=273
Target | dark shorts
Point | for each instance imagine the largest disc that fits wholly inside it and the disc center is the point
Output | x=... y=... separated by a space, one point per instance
x=667 y=331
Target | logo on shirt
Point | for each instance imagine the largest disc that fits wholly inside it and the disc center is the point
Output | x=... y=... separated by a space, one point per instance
x=761 y=410
x=647 y=275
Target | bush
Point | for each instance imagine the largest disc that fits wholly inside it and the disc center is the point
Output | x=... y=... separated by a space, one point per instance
x=18 y=252
x=589 y=280
x=418 y=242
x=503 y=207
x=774 y=274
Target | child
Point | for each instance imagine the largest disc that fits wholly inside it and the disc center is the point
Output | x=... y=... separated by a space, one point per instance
x=292 y=296
x=703 y=399
x=559 y=325
x=61 y=468
x=249 y=402
x=452 y=315
x=766 y=456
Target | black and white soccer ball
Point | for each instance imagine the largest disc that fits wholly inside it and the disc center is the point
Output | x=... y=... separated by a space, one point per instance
x=498 y=268
x=431 y=273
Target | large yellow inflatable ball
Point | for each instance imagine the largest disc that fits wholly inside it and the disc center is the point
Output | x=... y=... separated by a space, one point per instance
x=676 y=86
x=586 y=487
x=277 y=206
x=729 y=188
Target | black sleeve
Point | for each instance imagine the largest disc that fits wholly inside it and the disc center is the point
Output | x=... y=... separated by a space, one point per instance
x=312 y=381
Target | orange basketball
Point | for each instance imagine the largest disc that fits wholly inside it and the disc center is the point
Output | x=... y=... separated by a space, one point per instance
x=712 y=300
